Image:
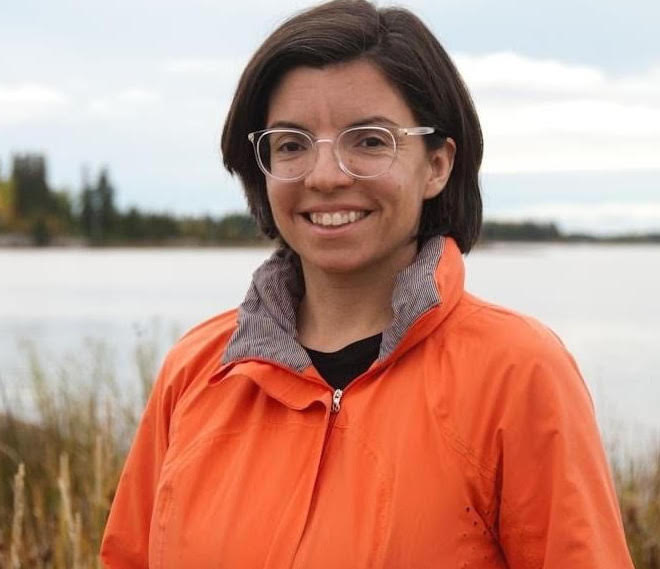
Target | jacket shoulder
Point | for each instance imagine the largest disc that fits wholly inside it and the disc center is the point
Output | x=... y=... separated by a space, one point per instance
x=518 y=355
x=512 y=372
x=197 y=353
x=502 y=331
x=216 y=329
x=515 y=347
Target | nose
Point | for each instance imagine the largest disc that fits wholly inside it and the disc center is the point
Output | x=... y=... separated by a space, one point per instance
x=326 y=174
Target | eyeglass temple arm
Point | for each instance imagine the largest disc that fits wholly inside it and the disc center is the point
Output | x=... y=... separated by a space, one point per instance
x=418 y=130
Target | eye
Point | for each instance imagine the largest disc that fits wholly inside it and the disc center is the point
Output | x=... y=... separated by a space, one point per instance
x=290 y=146
x=367 y=140
x=371 y=141
x=288 y=143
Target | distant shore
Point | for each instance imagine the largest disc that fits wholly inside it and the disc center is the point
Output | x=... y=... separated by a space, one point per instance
x=493 y=232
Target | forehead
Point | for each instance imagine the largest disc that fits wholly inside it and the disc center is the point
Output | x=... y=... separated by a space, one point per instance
x=336 y=96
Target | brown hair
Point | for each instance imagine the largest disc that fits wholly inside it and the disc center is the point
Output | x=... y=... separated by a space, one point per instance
x=412 y=59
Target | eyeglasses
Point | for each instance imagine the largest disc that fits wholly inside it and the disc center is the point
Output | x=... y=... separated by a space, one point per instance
x=289 y=154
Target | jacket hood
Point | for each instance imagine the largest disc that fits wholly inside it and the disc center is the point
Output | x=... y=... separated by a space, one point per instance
x=429 y=287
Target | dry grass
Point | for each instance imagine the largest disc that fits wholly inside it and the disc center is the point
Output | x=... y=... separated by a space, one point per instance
x=63 y=447
x=638 y=486
x=61 y=456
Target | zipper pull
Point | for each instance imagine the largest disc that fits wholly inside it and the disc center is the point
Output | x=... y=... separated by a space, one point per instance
x=336 y=400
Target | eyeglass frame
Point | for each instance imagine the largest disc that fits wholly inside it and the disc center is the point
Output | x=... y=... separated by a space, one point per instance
x=395 y=132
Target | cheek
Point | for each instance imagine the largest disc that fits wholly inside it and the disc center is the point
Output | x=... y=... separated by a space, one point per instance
x=274 y=200
x=281 y=206
x=409 y=192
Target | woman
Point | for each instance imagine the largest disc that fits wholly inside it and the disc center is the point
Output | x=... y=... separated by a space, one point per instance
x=360 y=409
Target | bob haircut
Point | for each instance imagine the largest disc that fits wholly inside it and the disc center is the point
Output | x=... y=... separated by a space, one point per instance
x=396 y=42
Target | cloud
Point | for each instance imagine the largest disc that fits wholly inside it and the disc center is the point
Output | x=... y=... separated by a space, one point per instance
x=548 y=115
x=640 y=86
x=126 y=103
x=513 y=72
x=204 y=66
x=137 y=96
x=36 y=104
x=30 y=102
x=579 y=116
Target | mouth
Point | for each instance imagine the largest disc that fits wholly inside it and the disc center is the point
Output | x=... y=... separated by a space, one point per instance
x=335 y=218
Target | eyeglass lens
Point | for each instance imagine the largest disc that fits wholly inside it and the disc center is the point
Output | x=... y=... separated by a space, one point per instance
x=363 y=152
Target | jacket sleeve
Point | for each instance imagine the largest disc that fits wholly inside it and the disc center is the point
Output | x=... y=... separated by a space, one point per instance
x=125 y=542
x=558 y=506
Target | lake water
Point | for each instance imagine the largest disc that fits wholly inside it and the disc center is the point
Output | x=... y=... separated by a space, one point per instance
x=601 y=299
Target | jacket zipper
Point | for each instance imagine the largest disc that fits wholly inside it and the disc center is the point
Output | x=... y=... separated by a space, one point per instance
x=339 y=393
x=336 y=400
x=334 y=409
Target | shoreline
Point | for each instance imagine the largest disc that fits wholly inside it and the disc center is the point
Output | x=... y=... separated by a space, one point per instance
x=14 y=242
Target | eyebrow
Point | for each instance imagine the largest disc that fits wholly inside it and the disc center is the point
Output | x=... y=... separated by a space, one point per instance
x=288 y=124
x=375 y=119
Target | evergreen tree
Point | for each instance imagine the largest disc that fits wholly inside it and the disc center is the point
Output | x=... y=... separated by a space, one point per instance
x=106 y=204
x=88 y=209
x=98 y=215
x=32 y=195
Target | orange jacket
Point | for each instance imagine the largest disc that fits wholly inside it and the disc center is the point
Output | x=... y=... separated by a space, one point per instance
x=470 y=443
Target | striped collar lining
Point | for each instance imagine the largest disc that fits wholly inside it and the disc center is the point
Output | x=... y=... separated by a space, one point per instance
x=267 y=317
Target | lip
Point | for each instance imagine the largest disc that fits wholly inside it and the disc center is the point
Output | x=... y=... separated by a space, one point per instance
x=331 y=208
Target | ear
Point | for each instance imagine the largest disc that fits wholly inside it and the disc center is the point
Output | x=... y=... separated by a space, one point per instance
x=441 y=162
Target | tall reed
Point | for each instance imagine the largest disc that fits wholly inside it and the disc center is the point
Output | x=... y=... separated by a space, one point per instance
x=17 y=522
x=637 y=478
x=63 y=444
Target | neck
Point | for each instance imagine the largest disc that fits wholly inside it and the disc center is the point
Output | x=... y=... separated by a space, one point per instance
x=339 y=309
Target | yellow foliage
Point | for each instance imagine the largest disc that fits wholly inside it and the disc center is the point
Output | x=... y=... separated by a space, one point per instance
x=6 y=201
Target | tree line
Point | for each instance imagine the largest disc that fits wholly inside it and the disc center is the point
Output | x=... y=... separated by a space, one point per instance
x=38 y=214
x=30 y=208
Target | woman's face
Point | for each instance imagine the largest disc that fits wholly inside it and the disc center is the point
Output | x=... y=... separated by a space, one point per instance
x=386 y=209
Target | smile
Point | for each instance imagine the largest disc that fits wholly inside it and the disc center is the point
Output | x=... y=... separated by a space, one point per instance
x=336 y=218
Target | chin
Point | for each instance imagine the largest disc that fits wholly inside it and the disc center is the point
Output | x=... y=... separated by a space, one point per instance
x=335 y=263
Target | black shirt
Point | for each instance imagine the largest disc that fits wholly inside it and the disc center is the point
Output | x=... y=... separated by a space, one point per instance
x=340 y=367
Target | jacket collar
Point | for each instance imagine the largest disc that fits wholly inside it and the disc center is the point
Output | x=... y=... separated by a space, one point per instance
x=266 y=331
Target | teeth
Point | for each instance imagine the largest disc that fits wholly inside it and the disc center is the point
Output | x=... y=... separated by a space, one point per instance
x=336 y=218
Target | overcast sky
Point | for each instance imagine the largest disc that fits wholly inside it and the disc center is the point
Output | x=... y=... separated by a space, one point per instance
x=568 y=94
